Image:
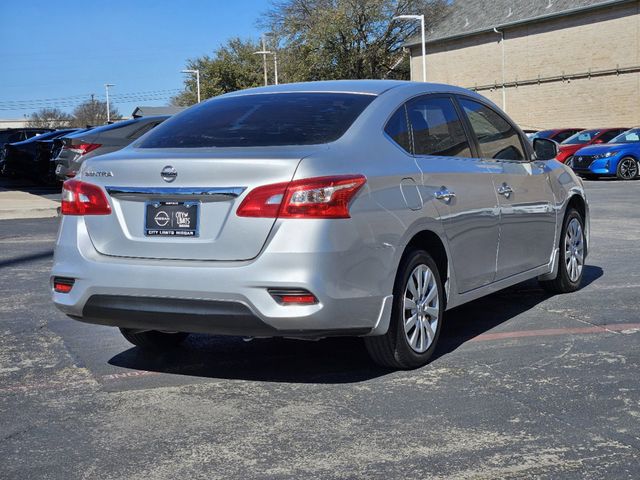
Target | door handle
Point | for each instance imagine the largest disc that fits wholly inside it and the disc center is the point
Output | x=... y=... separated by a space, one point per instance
x=505 y=190
x=444 y=194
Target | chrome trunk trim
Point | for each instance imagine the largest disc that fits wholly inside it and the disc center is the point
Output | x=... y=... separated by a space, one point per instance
x=211 y=194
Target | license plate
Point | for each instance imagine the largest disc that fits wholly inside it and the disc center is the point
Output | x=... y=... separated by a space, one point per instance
x=172 y=219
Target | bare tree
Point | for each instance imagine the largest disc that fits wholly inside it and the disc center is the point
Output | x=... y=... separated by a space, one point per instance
x=93 y=112
x=50 y=118
x=338 y=39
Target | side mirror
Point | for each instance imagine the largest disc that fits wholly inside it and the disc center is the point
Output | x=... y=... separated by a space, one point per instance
x=545 y=149
x=599 y=140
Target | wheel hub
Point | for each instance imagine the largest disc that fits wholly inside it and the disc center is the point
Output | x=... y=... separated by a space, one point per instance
x=574 y=249
x=421 y=309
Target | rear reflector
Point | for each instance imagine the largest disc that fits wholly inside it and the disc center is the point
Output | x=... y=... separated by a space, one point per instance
x=321 y=197
x=81 y=198
x=63 y=284
x=295 y=296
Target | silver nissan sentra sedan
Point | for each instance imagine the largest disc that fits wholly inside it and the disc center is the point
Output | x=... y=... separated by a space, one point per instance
x=359 y=208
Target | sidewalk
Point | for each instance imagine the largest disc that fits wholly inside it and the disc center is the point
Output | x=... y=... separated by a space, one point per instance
x=18 y=204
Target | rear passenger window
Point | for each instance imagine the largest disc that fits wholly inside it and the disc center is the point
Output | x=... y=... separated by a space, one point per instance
x=437 y=129
x=398 y=129
x=497 y=137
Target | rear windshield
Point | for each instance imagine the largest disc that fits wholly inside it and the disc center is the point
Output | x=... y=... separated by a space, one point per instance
x=114 y=126
x=630 y=136
x=581 y=137
x=261 y=120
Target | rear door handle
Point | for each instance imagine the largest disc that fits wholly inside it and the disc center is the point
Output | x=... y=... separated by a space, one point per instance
x=505 y=190
x=444 y=194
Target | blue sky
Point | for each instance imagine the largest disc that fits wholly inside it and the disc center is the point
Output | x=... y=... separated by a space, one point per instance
x=68 y=49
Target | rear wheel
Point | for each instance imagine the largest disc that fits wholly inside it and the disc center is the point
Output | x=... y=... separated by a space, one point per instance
x=627 y=169
x=416 y=316
x=572 y=255
x=153 y=339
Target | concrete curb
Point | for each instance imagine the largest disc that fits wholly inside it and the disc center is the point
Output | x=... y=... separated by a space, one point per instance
x=15 y=204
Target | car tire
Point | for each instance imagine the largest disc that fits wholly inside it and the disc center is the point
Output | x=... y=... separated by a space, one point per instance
x=573 y=250
x=400 y=347
x=627 y=168
x=153 y=339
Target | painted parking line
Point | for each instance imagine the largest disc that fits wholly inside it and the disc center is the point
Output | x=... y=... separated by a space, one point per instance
x=545 y=332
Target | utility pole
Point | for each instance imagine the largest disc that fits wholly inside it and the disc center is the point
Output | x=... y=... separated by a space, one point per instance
x=106 y=87
x=197 y=73
x=264 y=52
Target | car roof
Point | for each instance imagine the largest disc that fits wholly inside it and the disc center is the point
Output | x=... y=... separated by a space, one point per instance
x=367 y=87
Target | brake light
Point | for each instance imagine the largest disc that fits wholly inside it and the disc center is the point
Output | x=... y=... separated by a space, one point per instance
x=81 y=198
x=82 y=148
x=321 y=197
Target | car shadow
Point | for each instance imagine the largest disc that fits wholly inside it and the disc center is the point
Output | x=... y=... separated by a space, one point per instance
x=332 y=360
x=475 y=318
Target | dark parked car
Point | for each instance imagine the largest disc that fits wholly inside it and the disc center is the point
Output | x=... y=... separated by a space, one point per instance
x=106 y=139
x=558 y=134
x=19 y=159
x=46 y=152
x=12 y=135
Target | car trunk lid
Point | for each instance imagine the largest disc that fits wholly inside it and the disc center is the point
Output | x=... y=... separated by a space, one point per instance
x=208 y=184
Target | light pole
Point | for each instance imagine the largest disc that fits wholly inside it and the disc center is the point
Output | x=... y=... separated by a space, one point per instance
x=504 y=91
x=106 y=87
x=424 y=53
x=197 y=72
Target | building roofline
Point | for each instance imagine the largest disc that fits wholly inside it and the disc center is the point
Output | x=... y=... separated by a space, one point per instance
x=572 y=11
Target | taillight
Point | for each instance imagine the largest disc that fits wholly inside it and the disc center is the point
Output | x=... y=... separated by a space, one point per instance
x=321 y=197
x=82 y=148
x=81 y=198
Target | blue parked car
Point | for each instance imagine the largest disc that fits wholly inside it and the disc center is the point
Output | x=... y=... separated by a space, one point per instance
x=620 y=157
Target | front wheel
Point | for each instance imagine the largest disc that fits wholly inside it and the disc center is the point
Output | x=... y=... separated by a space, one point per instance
x=416 y=316
x=153 y=339
x=572 y=255
x=627 y=169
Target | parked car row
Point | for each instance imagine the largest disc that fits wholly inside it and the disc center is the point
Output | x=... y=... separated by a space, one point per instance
x=598 y=152
x=48 y=156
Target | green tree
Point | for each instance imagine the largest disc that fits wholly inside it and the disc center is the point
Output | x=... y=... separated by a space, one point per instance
x=50 y=118
x=317 y=40
x=233 y=66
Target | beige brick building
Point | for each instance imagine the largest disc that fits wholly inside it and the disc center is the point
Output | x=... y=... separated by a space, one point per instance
x=551 y=63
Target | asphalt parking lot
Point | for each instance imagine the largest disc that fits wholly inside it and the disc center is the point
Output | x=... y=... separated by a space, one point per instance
x=523 y=385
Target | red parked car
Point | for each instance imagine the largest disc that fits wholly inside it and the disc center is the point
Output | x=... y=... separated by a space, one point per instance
x=587 y=137
x=557 y=135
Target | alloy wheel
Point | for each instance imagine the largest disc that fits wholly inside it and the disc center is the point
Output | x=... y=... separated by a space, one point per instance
x=421 y=309
x=574 y=249
x=628 y=168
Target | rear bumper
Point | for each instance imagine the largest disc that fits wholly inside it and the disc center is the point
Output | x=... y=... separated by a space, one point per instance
x=227 y=298
x=196 y=316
